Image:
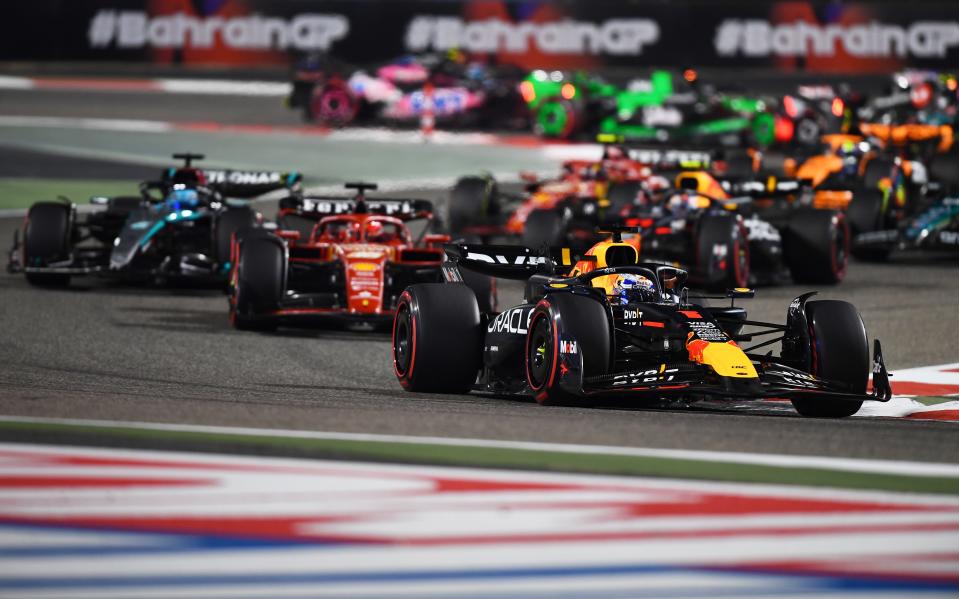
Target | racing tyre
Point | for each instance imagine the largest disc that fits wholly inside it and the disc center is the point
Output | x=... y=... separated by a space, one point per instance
x=228 y=223
x=584 y=323
x=47 y=238
x=876 y=169
x=332 y=105
x=544 y=227
x=808 y=132
x=722 y=252
x=945 y=169
x=816 y=246
x=260 y=283
x=621 y=196
x=557 y=117
x=472 y=201
x=865 y=215
x=437 y=338
x=840 y=350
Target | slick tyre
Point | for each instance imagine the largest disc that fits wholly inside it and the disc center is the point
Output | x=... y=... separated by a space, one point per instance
x=332 y=106
x=47 y=237
x=544 y=227
x=865 y=215
x=260 y=282
x=226 y=224
x=558 y=118
x=472 y=201
x=722 y=252
x=437 y=338
x=840 y=350
x=584 y=322
x=816 y=246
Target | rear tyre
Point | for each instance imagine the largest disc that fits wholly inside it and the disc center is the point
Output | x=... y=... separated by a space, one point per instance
x=472 y=201
x=816 y=246
x=865 y=215
x=722 y=252
x=227 y=224
x=437 y=338
x=840 y=350
x=585 y=323
x=544 y=227
x=557 y=117
x=944 y=168
x=260 y=283
x=332 y=105
x=47 y=238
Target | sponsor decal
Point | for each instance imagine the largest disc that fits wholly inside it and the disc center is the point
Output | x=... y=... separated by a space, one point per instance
x=662 y=116
x=760 y=38
x=707 y=331
x=681 y=157
x=878 y=236
x=343 y=206
x=949 y=237
x=499 y=259
x=760 y=230
x=567 y=347
x=632 y=314
x=244 y=177
x=137 y=29
x=624 y=37
x=660 y=375
x=514 y=320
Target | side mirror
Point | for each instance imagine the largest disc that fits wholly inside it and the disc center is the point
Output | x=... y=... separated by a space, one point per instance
x=99 y=200
x=288 y=234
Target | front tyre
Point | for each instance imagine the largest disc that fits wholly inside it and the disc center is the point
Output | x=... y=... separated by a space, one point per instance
x=586 y=331
x=47 y=236
x=437 y=338
x=840 y=350
x=260 y=283
x=816 y=246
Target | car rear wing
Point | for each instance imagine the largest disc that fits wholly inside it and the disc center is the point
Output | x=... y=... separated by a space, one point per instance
x=248 y=184
x=769 y=187
x=405 y=209
x=508 y=261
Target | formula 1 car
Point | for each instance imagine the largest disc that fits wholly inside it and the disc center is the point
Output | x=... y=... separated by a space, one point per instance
x=454 y=89
x=568 y=105
x=728 y=231
x=349 y=265
x=179 y=227
x=620 y=328
x=931 y=223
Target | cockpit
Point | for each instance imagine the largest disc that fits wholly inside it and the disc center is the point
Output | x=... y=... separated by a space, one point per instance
x=383 y=230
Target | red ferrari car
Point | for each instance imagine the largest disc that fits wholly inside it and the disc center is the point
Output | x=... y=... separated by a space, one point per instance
x=334 y=258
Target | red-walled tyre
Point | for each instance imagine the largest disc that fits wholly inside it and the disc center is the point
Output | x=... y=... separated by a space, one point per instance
x=437 y=338
x=584 y=323
x=816 y=246
x=722 y=251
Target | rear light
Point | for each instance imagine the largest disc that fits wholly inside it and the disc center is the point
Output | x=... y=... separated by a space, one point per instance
x=789 y=103
x=528 y=92
x=568 y=91
x=838 y=107
x=690 y=75
x=785 y=129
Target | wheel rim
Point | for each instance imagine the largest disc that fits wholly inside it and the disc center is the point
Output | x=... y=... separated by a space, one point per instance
x=553 y=119
x=539 y=352
x=402 y=341
x=333 y=106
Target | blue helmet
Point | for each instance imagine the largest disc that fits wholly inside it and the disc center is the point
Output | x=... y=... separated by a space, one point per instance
x=632 y=288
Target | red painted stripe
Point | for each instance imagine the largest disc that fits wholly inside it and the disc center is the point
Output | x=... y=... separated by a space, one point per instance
x=935 y=415
x=73 y=482
x=914 y=388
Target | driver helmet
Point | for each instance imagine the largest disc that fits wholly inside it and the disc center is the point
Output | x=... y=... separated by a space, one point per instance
x=348 y=232
x=850 y=153
x=375 y=231
x=631 y=288
x=183 y=197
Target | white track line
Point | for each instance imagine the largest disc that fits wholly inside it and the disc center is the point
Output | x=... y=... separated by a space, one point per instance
x=783 y=461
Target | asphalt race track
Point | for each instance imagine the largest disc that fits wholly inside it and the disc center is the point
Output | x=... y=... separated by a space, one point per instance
x=104 y=351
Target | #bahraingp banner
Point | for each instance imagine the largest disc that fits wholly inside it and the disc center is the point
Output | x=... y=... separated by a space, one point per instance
x=813 y=36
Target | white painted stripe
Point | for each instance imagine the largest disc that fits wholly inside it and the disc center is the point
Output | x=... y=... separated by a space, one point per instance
x=84 y=123
x=783 y=461
x=8 y=82
x=225 y=87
